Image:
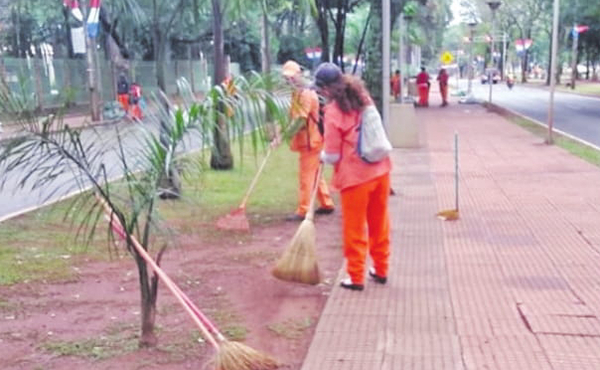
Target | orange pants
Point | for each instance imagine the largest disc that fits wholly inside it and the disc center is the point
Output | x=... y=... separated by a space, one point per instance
x=444 y=92
x=423 y=95
x=136 y=111
x=366 y=205
x=307 y=172
x=124 y=100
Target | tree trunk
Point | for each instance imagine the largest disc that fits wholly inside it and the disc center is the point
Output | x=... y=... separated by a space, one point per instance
x=373 y=73
x=92 y=73
x=323 y=29
x=265 y=44
x=221 y=158
x=149 y=290
x=340 y=28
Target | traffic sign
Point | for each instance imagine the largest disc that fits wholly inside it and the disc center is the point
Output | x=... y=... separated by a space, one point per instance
x=447 y=58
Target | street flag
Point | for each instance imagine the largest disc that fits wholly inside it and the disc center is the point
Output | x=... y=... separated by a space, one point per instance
x=523 y=44
x=75 y=11
x=579 y=29
x=93 y=18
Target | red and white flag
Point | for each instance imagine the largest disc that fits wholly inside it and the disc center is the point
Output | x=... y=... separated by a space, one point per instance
x=93 y=18
x=75 y=11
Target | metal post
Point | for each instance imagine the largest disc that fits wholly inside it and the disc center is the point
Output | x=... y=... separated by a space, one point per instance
x=400 y=56
x=550 y=140
x=575 y=35
x=470 y=67
x=385 y=10
x=494 y=5
x=502 y=73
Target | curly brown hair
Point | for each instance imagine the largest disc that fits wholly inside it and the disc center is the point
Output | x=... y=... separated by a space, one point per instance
x=350 y=93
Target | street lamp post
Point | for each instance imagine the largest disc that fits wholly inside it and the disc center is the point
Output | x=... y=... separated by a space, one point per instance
x=550 y=139
x=472 y=25
x=469 y=99
x=494 y=5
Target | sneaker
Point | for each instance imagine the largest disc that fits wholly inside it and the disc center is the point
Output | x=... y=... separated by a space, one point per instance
x=324 y=211
x=376 y=278
x=348 y=284
x=294 y=217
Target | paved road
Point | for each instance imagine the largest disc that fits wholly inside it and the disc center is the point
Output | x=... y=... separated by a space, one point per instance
x=574 y=114
x=14 y=200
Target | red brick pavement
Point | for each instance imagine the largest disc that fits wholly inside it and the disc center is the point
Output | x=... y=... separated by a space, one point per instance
x=514 y=284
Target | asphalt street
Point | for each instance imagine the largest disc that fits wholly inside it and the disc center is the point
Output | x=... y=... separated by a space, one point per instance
x=574 y=114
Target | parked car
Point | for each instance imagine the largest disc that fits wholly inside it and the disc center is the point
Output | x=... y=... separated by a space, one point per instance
x=495 y=76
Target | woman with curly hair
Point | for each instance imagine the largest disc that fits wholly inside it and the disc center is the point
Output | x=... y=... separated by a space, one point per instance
x=364 y=187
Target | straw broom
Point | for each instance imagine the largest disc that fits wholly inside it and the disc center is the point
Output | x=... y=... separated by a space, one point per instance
x=452 y=214
x=299 y=261
x=230 y=355
x=236 y=219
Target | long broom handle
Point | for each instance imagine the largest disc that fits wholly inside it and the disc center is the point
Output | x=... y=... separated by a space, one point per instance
x=118 y=228
x=255 y=179
x=116 y=225
x=456 y=169
x=310 y=215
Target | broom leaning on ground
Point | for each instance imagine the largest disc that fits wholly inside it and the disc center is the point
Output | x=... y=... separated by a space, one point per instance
x=299 y=261
x=230 y=355
x=452 y=214
x=236 y=219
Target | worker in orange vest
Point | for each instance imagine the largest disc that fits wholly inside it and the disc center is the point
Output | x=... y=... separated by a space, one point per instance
x=423 y=88
x=307 y=140
x=395 y=85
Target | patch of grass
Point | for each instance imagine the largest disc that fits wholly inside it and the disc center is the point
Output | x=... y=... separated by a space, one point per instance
x=211 y=194
x=118 y=340
x=587 y=88
x=291 y=328
x=582 y=151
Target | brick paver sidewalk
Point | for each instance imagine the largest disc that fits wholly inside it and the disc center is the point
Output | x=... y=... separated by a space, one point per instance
x=513 y=285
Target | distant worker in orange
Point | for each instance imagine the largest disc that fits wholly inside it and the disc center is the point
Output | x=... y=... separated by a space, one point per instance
x=307 y=140
x=443 y=81
x=135 y=97
x=123 y=92
x=395 y=85
x=423 y=87
x=364 y=187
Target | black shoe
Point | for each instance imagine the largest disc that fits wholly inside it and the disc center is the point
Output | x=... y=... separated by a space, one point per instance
x=324 y=211
x=376 y=278
x=347 y=284
x=295 y=217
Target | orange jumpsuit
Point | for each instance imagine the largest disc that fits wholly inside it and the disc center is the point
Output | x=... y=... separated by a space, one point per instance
x=395 y=86
x=365 y=189
x=308 y=142
x=423 y=87
x=443 y=80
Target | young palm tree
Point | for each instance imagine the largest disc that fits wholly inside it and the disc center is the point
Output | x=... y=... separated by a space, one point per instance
x=48 y=153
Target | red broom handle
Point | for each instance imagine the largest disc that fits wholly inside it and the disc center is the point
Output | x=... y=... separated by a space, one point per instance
x=118 y=228
x=161 y=274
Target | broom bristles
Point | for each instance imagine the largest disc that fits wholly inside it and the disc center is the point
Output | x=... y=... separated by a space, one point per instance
x=235 y=220
x=238 y=356
x=448 y=215
x=299 y=261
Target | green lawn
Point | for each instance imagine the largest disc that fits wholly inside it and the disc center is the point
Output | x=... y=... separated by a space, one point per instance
x=42 y=245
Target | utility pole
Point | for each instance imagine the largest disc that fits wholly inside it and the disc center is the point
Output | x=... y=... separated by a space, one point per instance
x=550 y=139
x=494 y=5
x=385 y=99
x=575 y=42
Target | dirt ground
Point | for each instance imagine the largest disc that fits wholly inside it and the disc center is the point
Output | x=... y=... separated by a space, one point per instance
x=92 y=322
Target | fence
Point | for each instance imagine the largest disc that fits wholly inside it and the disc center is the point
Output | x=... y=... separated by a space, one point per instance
x=47 y=80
